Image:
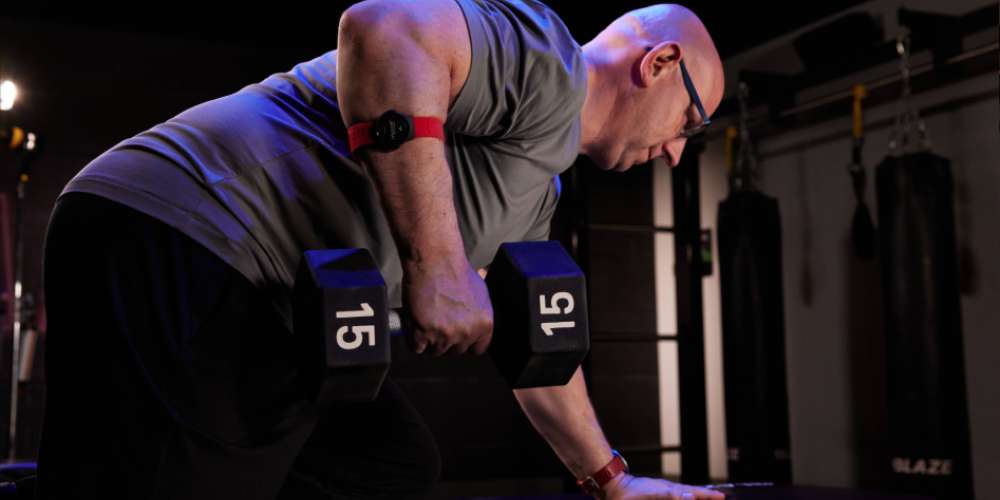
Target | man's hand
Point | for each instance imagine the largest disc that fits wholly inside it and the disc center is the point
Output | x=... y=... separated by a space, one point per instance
x=449 y=306
x=628 y=487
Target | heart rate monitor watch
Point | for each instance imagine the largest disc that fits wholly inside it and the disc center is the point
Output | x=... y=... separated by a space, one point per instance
x=392 y=129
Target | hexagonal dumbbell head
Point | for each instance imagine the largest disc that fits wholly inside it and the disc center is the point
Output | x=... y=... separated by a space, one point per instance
x=540 y=332
x=341 y=323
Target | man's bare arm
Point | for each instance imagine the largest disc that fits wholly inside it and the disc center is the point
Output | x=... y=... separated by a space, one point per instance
x=413 y=57
x=564 y=416
x=389 y=59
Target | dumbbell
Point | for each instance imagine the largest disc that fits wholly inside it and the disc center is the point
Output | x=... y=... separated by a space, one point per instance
x=343 y=325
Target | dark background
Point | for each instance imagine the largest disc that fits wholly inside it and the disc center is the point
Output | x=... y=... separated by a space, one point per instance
x=735 y=26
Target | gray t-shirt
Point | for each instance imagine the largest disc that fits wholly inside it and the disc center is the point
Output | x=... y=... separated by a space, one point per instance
x=264 y=174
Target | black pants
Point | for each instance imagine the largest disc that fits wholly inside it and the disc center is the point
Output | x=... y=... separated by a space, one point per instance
x=169 y=376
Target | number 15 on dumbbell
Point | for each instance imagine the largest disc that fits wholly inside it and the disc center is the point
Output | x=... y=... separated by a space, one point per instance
x=343 y=326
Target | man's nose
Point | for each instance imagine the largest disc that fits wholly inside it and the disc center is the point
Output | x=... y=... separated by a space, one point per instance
x=674 y=150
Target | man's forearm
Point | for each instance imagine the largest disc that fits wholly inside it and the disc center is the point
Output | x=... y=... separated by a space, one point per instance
x=416 y=191
x=564 y=416
x=399 y=58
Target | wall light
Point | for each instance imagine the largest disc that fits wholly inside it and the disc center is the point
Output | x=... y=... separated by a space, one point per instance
x=8 y=94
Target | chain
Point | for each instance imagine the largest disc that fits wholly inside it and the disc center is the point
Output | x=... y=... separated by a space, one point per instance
x=907 y=120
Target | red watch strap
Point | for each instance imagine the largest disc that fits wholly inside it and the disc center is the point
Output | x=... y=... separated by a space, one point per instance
x=359 y=135
x=592 y=484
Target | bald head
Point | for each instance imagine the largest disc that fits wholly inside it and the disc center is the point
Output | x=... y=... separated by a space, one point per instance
x=664 y=23
x=635 y=68
x=656 y=23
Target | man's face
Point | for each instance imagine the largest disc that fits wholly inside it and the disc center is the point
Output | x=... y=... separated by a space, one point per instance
x=649 y=125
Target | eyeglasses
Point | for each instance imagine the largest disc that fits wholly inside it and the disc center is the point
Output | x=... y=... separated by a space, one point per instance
x=705 y=121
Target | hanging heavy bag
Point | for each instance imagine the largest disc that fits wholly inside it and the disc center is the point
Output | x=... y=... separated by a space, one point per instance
x=928 y=435
x=757 y=430
x=753 y=338
x=928 y=422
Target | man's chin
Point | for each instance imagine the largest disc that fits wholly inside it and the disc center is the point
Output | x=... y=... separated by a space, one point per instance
x=606 y=162
x=623 y=166
x=619 y=166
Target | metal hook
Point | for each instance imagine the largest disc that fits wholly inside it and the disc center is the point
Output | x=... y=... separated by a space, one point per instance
x=907 y=118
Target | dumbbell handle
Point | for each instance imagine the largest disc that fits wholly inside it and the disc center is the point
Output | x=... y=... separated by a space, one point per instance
x=395 y=322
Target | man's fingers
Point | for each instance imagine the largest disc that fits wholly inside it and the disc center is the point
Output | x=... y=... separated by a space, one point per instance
x=436 y=350
x=438 y=344
x=482 y=344
x=422 y=342
x=686 y=493
x=709 y=495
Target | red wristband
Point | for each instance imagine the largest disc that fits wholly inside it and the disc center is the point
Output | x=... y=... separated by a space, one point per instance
x=593 y=483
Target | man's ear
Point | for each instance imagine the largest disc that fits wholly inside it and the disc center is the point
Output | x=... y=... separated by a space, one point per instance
x=659 y=61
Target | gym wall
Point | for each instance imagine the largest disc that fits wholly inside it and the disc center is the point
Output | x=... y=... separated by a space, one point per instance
x=834 y=346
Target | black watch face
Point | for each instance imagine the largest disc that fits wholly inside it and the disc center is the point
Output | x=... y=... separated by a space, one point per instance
x=390 y=131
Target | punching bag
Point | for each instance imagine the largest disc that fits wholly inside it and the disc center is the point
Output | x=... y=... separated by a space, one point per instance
x=753 y=338
x=928 y=430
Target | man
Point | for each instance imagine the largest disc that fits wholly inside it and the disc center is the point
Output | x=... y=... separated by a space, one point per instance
x=169 y=259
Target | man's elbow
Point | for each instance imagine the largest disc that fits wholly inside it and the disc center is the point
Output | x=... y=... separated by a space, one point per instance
x=356 y=20
x=370 y=16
